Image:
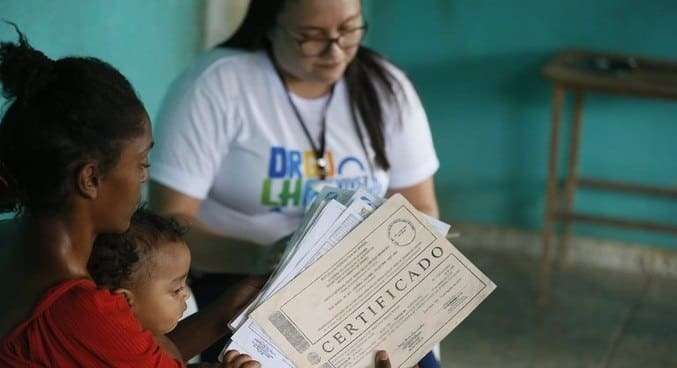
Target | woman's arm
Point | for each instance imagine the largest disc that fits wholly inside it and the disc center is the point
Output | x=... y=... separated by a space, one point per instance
x=199 y=331
x=421 y=196
x=210 y=252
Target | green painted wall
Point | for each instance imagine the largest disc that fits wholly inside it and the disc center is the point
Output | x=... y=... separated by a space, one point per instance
x=476 y=66
x=149 y=41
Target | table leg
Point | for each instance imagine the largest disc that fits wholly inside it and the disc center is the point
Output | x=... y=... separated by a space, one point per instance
x=572 y=177
x=551 y=197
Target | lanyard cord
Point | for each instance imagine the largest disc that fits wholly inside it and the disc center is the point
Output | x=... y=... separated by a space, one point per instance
x=320 y=161
x=319 y=152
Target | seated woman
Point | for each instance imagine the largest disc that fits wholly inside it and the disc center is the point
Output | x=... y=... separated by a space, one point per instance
x=74 y=142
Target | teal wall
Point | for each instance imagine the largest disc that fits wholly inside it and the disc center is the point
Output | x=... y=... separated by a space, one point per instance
x=476 y=66
x=150 y=42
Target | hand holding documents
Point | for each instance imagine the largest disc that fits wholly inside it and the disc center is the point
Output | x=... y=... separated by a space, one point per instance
x=360 y=275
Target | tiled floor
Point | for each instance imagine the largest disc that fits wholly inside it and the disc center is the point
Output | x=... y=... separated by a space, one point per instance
x=596 y=319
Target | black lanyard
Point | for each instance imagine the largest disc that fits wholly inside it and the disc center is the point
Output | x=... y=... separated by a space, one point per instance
x=319 y=150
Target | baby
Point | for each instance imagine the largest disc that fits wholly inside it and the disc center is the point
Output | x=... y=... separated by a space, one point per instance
x=148 y=265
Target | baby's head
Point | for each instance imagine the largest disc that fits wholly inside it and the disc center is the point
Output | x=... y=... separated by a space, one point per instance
x=149 y=265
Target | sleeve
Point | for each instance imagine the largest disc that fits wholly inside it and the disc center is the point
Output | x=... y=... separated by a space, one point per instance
x=194 y=131
x=101 y=325
x=409 y=144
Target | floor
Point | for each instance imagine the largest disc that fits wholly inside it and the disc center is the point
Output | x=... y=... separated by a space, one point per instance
x=596 y=318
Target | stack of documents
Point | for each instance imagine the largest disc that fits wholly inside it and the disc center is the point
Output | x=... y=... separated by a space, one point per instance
x=360 y=274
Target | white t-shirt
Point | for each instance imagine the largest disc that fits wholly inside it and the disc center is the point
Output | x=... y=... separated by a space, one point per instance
x=227 y=135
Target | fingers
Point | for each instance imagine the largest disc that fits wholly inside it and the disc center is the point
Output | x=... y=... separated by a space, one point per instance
x=233 y=359
x=251 y=364
x=245 y=361
x=230 y=356
x=382 y=360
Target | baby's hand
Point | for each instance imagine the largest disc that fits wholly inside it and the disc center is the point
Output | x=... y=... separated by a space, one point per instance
x=233 y=359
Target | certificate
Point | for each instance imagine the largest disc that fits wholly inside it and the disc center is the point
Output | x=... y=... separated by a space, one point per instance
x=393 y=283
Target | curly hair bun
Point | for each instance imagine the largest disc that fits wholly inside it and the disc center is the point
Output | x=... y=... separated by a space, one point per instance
x=23 y=69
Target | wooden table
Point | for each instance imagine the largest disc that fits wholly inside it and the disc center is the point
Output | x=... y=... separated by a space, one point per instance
x=581 y=72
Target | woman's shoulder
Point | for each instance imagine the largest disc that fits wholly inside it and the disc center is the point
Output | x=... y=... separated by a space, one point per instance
x=221 y=74
x=81 y=310
x=80 y=301
x=221 y=66
x=81 y=292
x=401 y=92
x=388 y=73
x=391 y=68
x=72 y=307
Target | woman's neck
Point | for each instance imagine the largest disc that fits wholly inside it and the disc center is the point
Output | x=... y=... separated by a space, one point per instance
x=307 y=89
x=300 y=87
x=46 y=251
x=59 y=244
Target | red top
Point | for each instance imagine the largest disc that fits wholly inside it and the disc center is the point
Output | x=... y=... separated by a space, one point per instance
x=77 y=325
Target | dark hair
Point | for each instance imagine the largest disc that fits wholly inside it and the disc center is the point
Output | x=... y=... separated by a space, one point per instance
x=60 y=114
x=365 y=77
x=116 y=257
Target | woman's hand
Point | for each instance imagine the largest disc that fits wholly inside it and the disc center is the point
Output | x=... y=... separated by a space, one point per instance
x=196 y=333
x=272 y=256
x=382 y=361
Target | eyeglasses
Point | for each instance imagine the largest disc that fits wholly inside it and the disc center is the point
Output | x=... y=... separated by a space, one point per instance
x=316 y=46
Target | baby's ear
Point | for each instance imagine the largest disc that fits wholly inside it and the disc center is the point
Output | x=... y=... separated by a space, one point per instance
x=128 y=295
